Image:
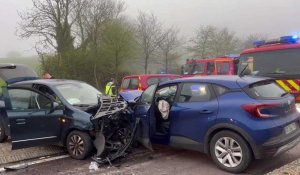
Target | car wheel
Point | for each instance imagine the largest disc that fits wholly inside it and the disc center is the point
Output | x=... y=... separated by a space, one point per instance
x=3 y=137
x=79 y=145
x=230 y=152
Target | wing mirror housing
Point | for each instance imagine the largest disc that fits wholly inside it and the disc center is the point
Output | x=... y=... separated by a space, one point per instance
x=56 y=106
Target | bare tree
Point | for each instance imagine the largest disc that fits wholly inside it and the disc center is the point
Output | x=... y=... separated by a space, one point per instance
x=51 y=21
x=93 y=16
x=118 y=44
x=212 y=42
x=202 y=42
x=248 y=42
x=224 y=43
x=149 y=35
x=169 y=44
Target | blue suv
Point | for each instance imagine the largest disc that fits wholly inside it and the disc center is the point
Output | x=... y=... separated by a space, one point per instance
x=233 y=119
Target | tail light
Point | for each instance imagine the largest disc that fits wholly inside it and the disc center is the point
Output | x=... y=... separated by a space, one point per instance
x=140 y=85
x=260 y=110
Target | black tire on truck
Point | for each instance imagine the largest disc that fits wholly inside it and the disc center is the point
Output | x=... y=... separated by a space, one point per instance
x=79 y=145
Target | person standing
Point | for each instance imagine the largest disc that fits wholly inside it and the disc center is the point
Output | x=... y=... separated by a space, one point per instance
x=110 y=88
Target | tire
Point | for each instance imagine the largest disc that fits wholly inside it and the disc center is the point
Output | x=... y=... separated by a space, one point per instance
x=3 y=136
x=79 y=145
x=233 y=151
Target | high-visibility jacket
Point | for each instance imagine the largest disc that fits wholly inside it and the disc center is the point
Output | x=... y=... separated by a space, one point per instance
x=109 y=89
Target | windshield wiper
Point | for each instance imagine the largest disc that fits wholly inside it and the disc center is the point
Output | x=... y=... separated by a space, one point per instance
x=284 y=94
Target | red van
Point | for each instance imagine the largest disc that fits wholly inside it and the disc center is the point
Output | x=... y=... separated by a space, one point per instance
x=141 y=82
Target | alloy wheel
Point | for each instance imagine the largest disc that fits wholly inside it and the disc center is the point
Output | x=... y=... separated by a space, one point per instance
x=76 y=145
x=228 y=152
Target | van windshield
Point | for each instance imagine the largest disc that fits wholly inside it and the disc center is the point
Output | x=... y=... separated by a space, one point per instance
x=268 y=63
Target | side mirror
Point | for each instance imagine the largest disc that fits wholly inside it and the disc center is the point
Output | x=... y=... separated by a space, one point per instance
x=55 y=106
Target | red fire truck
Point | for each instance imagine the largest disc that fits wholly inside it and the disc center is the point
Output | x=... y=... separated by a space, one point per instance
x=210 y=66
x=278 y=58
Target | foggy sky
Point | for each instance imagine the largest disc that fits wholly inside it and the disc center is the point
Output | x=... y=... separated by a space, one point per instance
x=270 y=17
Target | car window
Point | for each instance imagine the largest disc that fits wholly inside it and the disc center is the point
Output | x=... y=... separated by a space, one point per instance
x=220 y=90
x=164 y=79
x=147 y=95
x=152 y=80
x=223 y=68
x=125 y=83
x=156 y=80
x=194 y=92
x=265 y=90
x=22 y=99
x=167 y=93
x=134 y=83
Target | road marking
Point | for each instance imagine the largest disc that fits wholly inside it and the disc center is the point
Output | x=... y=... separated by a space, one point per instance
x=39 y=161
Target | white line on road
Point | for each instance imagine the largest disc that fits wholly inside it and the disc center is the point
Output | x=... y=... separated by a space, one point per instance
x=39 y=161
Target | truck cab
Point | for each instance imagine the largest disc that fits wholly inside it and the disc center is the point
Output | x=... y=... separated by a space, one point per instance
x=277 y=58
x=209 y=66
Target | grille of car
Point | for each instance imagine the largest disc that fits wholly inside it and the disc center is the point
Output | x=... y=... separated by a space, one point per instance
x=110 y=106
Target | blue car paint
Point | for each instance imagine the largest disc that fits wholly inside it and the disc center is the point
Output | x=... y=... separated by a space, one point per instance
x=227 y=113
x=131 y=95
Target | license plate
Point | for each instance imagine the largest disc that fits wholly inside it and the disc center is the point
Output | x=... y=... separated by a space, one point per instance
x=290 y=128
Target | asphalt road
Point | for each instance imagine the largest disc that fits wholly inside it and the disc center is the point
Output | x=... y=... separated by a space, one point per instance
x=163 y=161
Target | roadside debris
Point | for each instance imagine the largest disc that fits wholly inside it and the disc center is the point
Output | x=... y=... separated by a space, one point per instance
x=16 y=167
x=94 y=166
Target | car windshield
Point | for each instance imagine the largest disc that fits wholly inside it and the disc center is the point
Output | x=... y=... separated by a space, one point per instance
x=199 y=68
x=79 y=93
x=279 y=62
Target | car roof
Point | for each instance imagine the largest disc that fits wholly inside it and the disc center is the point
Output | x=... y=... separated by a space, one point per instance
x=12 y=73
x=152 y=75
x=47 y=82
x=231 y=82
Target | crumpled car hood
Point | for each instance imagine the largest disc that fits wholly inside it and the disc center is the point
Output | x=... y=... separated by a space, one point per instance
x=130 y=95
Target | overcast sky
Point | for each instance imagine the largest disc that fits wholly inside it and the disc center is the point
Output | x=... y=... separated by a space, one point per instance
x=271 y=17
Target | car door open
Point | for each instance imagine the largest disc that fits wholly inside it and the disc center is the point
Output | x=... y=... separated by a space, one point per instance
x=33 y=119
x=142 y=111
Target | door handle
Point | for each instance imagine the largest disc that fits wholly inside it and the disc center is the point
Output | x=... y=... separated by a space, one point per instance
x=205 y=111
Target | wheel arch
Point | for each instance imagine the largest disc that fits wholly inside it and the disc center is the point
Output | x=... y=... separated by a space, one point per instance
x=229 y=127
x=68 y=131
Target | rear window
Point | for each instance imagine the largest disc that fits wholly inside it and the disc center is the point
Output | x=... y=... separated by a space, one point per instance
x=130 y=83
x=156 y=80
x=265 y=90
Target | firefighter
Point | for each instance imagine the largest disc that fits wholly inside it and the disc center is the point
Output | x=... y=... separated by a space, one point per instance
x=110 y=88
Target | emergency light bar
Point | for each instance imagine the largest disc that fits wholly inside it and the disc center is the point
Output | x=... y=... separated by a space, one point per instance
x=284 y=39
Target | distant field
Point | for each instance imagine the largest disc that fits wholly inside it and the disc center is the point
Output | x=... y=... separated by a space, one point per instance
x=32 y=61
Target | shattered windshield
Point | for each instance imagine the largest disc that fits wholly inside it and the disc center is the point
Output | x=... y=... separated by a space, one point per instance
x=79 y=93
x=279 y=62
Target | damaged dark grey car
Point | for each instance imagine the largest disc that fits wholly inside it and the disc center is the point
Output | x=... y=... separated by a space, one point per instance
x=69 y=113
